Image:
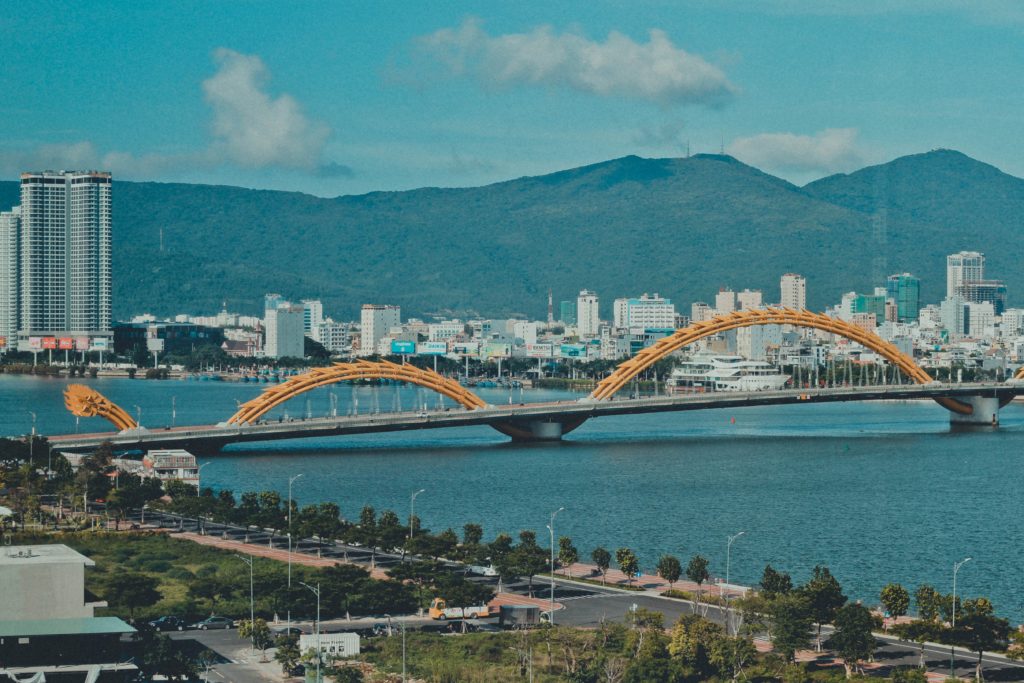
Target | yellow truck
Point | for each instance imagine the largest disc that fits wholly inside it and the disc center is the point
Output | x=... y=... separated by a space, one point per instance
x=439 y=610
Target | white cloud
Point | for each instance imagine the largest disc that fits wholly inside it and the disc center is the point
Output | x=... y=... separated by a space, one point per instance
x=656 y=71
x=252 y=128
x=829 y=150
x=249 y=128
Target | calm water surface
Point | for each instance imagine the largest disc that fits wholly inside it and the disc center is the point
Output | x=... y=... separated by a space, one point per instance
x=878 y=491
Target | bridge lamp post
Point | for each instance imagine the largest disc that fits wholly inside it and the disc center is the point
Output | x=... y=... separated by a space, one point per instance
x=199 y=473
x=952 y=648
x=412 y=511
x=174 y=409
x=728 y=562
x=138 y=417
x=319 y=654
x=551 y=597
x=291 y=480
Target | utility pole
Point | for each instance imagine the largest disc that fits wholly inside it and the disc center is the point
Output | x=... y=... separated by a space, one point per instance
x=319 y=653
x=952 y=648
x=412 y=511
x=252 y=602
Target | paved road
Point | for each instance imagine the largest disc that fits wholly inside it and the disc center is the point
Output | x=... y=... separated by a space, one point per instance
x=584 y=605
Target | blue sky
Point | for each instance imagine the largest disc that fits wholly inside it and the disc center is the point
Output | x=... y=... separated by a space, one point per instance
x=341 y=98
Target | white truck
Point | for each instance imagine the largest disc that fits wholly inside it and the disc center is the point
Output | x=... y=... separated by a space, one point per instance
x=439 y=609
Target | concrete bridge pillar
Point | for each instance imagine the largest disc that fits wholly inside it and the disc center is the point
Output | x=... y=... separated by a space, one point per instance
x=537 y=430
x=986 y=411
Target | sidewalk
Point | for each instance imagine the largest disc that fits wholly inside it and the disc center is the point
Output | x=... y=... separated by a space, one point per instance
x=647 y=582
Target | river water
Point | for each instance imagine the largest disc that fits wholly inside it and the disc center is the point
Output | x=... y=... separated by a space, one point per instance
x=877 y=491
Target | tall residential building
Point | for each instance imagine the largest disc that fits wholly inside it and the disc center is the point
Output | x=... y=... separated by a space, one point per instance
x=964 y=266
x=648 y=312
x=376 y=320
x=984 y=291
x=65 y=254
x=953 y=312
x=10 y=226
x=312 y=315
x=748 y=299
x=793 y=291
x=588 y=317
x=725 y=301
x=285 y=336
x=905 y=290
x=567 y=312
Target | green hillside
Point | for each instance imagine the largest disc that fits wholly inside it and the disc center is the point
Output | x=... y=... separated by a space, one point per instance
x=681 y=227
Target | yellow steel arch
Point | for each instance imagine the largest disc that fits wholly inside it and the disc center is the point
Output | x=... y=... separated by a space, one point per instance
x=1020 y=373
x=629 y=369
x=341 y=372
x=87 y=402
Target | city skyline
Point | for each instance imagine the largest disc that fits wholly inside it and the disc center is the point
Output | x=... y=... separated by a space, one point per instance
x=469 y=94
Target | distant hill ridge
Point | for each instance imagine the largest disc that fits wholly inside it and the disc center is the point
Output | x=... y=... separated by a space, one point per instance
x=682 y=227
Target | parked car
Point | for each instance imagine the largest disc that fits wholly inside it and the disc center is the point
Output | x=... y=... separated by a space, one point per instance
x=213 y=622
x=168 y=623
x=289 y=631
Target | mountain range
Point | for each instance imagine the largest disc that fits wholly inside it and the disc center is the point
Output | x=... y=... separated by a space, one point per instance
x=682 y=227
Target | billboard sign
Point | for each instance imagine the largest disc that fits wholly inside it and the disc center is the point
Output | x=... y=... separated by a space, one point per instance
x=540 y=350
x=466 y=348
x=82 y=343
x=573 y=350
x=49 y=342
x=432 y=348
x=402 y=347
x=497 y=350
x=35 y=342
x=100 y=344
x=153 y=344
x=66 y=343
x=3 y=342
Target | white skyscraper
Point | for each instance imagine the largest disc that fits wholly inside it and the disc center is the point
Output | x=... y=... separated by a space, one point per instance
x=962 y=267
x=376 y=320
x=700 y=311
x=588 y=317
x=285 y=336
x=725 y=301
x=794 y=291
x=312 y=315
x=10 y=225
x=65 y=254
x=748 y=299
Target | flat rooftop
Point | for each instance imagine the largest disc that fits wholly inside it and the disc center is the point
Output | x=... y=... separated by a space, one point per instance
x=54 y=553
x=64 y=627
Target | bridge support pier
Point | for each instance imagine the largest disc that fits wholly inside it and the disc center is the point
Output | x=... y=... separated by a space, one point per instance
x=537 y=430
x=986 y=411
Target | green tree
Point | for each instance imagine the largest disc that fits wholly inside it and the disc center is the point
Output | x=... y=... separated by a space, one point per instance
x=346 y=673
x=697 y=571
x=420 y=574
x=852 y=639
x=920 y=631
x=603 y=559
x=670 y=568
x=824 y=597
x=567 y=554
x=162 y=656
x=628 y=563
x=775 y=583
x=131 y=590
x=460 y=593
x=287 y=653
x=730 y=655
x=979 y=630
x=367 y=533
x=472 y=534
x=259 y=633
x=927 y=600
x=896 y=599
x=692 y=641
x=528 y=559
x=908 y=675
x=791 y=624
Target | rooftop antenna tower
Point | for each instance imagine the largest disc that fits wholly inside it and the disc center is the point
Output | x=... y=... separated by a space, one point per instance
x=551 y=310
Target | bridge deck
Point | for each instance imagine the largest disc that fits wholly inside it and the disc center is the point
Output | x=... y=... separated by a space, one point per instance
x=212 y=437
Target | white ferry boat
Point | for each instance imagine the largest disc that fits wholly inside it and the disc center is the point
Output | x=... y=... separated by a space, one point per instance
x=725 y=373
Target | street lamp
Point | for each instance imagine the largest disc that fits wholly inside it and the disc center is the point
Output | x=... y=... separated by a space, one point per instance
x=319 y=654
x=32 y=441
x=174 y=409
x=291 y=480
x=199 y=473
x=252 y=602
x=728 y=561
x=138 y=418
x=551 y=601
x=952 y=648
x=412 y=511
